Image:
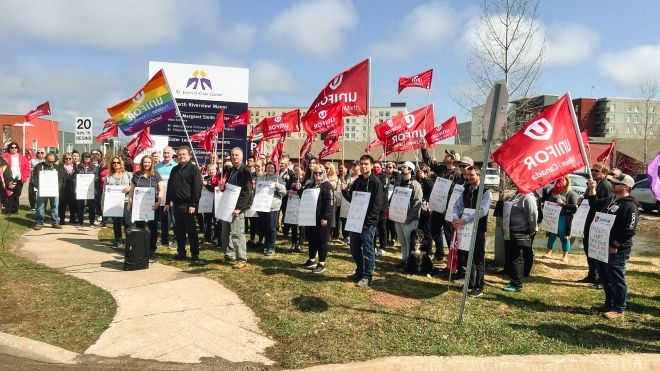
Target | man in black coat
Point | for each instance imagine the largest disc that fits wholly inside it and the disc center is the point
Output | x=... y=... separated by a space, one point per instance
x=48 y=165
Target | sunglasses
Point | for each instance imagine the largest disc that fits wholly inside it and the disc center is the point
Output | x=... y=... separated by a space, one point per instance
x=390 y=167
x=318 y=173
x=595 y=171
x=40 y=153
x=68 y=158
x=116 y=162
x=13 y=147
x=463 y=165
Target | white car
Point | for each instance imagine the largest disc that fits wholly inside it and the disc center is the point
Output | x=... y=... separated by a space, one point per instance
x=578 y=184
x=643 y=194
x=492 y=178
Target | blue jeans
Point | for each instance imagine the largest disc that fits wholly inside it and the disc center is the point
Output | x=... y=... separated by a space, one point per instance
x=613 y=277
x=363 y=252
x=268 y=224
x=54 y=210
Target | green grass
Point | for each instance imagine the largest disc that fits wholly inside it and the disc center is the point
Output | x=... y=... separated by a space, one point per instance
x=43 y=304
x=319 y=319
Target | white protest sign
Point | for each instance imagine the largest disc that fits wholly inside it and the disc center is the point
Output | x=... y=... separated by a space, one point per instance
x=250 y=213
x=390 y=190
x=308 y=204
x=439 y=195
x=48 y=184
x=551 y=213
x=506 y=222
x=163 y=191
x=292 y=210
x=579 y=219
x=464 y=233
x=345 y=208
x=143 y=204
x=83 y=130
x=358 y=211
x=599 y=236
x=263 y=196
x=205 y=202
x=227 y=204
x=113 y=201
x=217 y=198
x=455 y=194
x=399 y=204
x=85 y=186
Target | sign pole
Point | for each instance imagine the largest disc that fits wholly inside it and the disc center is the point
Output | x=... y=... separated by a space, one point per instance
x=178 y=113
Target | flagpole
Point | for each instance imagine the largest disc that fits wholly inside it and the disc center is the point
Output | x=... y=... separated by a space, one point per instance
x=176 y=106
x=428 y=101
x=369 y=106
x=579 y=135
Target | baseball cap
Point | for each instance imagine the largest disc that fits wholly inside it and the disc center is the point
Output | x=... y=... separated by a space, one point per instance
x=468 y=161
x=453 y=154
x=409 y=165
x=622 y=179
x=356 y=162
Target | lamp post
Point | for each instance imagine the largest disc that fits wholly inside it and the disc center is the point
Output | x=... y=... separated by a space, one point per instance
x=23 y=125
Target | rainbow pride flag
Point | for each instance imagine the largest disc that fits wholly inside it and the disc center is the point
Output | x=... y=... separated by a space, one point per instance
x=150 y=105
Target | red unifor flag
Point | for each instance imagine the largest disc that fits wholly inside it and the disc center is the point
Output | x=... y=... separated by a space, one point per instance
x=256 y=152
x=381 y=157
x=219 y=123
x=350 y=87
x=395 y=125
x=418 y=123
x=544 y=149
x=141 y=142
x=585 y=138
x=205 y=138
x=242 y=119
x=421 y=80
x=110 y=130
x=324 y=119
x=41 y=110
x=607 y=155
x=273 y=127
x=331 y=146
x=256 y=130
x=374 y=143
x=448 y=129
x=277 y=152
x=307 y=145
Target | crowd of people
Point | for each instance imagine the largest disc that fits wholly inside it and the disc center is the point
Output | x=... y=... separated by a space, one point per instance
x=178 y=182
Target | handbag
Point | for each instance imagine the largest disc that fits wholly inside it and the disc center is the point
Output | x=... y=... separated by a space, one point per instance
x=522 y=239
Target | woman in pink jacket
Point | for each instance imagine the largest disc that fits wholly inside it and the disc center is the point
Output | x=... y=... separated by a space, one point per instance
x=20 y=172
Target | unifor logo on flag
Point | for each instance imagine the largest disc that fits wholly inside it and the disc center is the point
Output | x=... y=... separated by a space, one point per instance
x=543 y=150
x=418 y=123
x=397 y=124
x=241 y=119
x=350 y=87
x=327 y=118
x=448 y=129
x=273 y=127
x=421 y=80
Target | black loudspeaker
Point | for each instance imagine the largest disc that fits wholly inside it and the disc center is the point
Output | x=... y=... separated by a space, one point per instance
x=136 y=254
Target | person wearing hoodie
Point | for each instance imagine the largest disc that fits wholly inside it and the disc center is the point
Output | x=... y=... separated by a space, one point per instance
x=613 y=273
x=522 y=227
x=404 y=231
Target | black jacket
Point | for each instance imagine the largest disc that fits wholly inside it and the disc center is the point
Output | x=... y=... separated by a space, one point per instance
x=184 y=187
x=376 y=204
x=241 y=177
x=603 y=191
x=394 y=180
x=325 y=208
x=626 y=210
x=43 y=167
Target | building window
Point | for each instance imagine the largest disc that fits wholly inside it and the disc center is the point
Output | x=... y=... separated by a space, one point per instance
x=627 y=119
x=612 y=118
x=627 y=129
x=577 y=108
x=651 y=119
x=652 y=108
x=612 y=107
x=388 y=114
x=635 y=119
x=636 y=108
x=630 y=108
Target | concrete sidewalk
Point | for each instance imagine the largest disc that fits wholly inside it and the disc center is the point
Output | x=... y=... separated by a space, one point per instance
x=163 y=313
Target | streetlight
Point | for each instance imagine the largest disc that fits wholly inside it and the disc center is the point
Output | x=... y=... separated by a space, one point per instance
x=24 y=125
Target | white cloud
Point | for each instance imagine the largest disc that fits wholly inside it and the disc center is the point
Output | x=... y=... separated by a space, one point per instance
x=119 y=24
x=427 y=27
x=629 y=66
x=238 y=36
x=269 y=77
x=569 y=44
x=314 y=28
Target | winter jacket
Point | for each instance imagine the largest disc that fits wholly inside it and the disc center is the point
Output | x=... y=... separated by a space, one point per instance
x=376 y=201
x=626 y=210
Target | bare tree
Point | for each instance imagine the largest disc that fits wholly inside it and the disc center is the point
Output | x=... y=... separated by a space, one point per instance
x=647 y=92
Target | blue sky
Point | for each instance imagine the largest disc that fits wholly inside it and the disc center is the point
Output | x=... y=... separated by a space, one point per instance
x=84 y=56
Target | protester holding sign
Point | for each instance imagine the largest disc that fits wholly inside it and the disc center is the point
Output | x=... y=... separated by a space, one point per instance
x=386 y=229
x=520 y=216
x=296 y=231
x=53 y=174
x=563 y=195
x=119 y=177
x=164 y=168
x=425 y=213
x=319 y=235
x=362 y=243
x=599 y=172
x=268 y=219
x=468 y=200
x=148 y=177
x=68 y=194
x=406 y=228
x=86 y=167
x=612 y=273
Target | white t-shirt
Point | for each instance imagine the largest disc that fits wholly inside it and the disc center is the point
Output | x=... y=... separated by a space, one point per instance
x=15 y=167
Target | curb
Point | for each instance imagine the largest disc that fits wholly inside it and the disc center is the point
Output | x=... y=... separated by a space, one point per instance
x=20 y=347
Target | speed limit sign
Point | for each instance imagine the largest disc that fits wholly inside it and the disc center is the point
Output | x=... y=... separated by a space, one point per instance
x=83 y=130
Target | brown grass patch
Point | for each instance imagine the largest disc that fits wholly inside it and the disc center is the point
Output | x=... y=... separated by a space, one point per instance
x=394 y=301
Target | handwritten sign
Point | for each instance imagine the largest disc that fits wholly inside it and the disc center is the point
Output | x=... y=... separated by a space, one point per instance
x=440 y=195
x=455 y=194
x=292 y=210
x=464 y=233
x=599 y=236
x=399 y=204
x=143 y=204
x=48 y=184
x=358 y=211
x=506 y=222
x=551 y=213
x=345 y=208
x=226 y=204
x=85 y=186
x=113 y=201
x=205 y=202
x=579 y=219
x=263 y=196
x=308 y=204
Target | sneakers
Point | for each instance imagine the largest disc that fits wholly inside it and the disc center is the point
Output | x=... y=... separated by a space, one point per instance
x=604 y=308
x=320 y=268
x=152 y=258
x=380 y=252
x=512 y=288
x=57 y=226
x=474 y=293
x=196 y=261
x=613 y=314
x=38 y=227
x=78 y=226
x=239 y=265
x=586 y=279
x=597 y=286
x=117 y=245
x=269 y=252
x=179 y=257
x=309 y=264
x=364 y=282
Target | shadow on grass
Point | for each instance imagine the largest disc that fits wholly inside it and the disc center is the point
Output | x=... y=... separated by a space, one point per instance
x=306 y=303
x=22 y=221
x=536 y=305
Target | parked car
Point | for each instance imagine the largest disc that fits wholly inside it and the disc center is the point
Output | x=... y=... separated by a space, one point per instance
x=492 y=178
x=578 y=184
x=643 y=194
